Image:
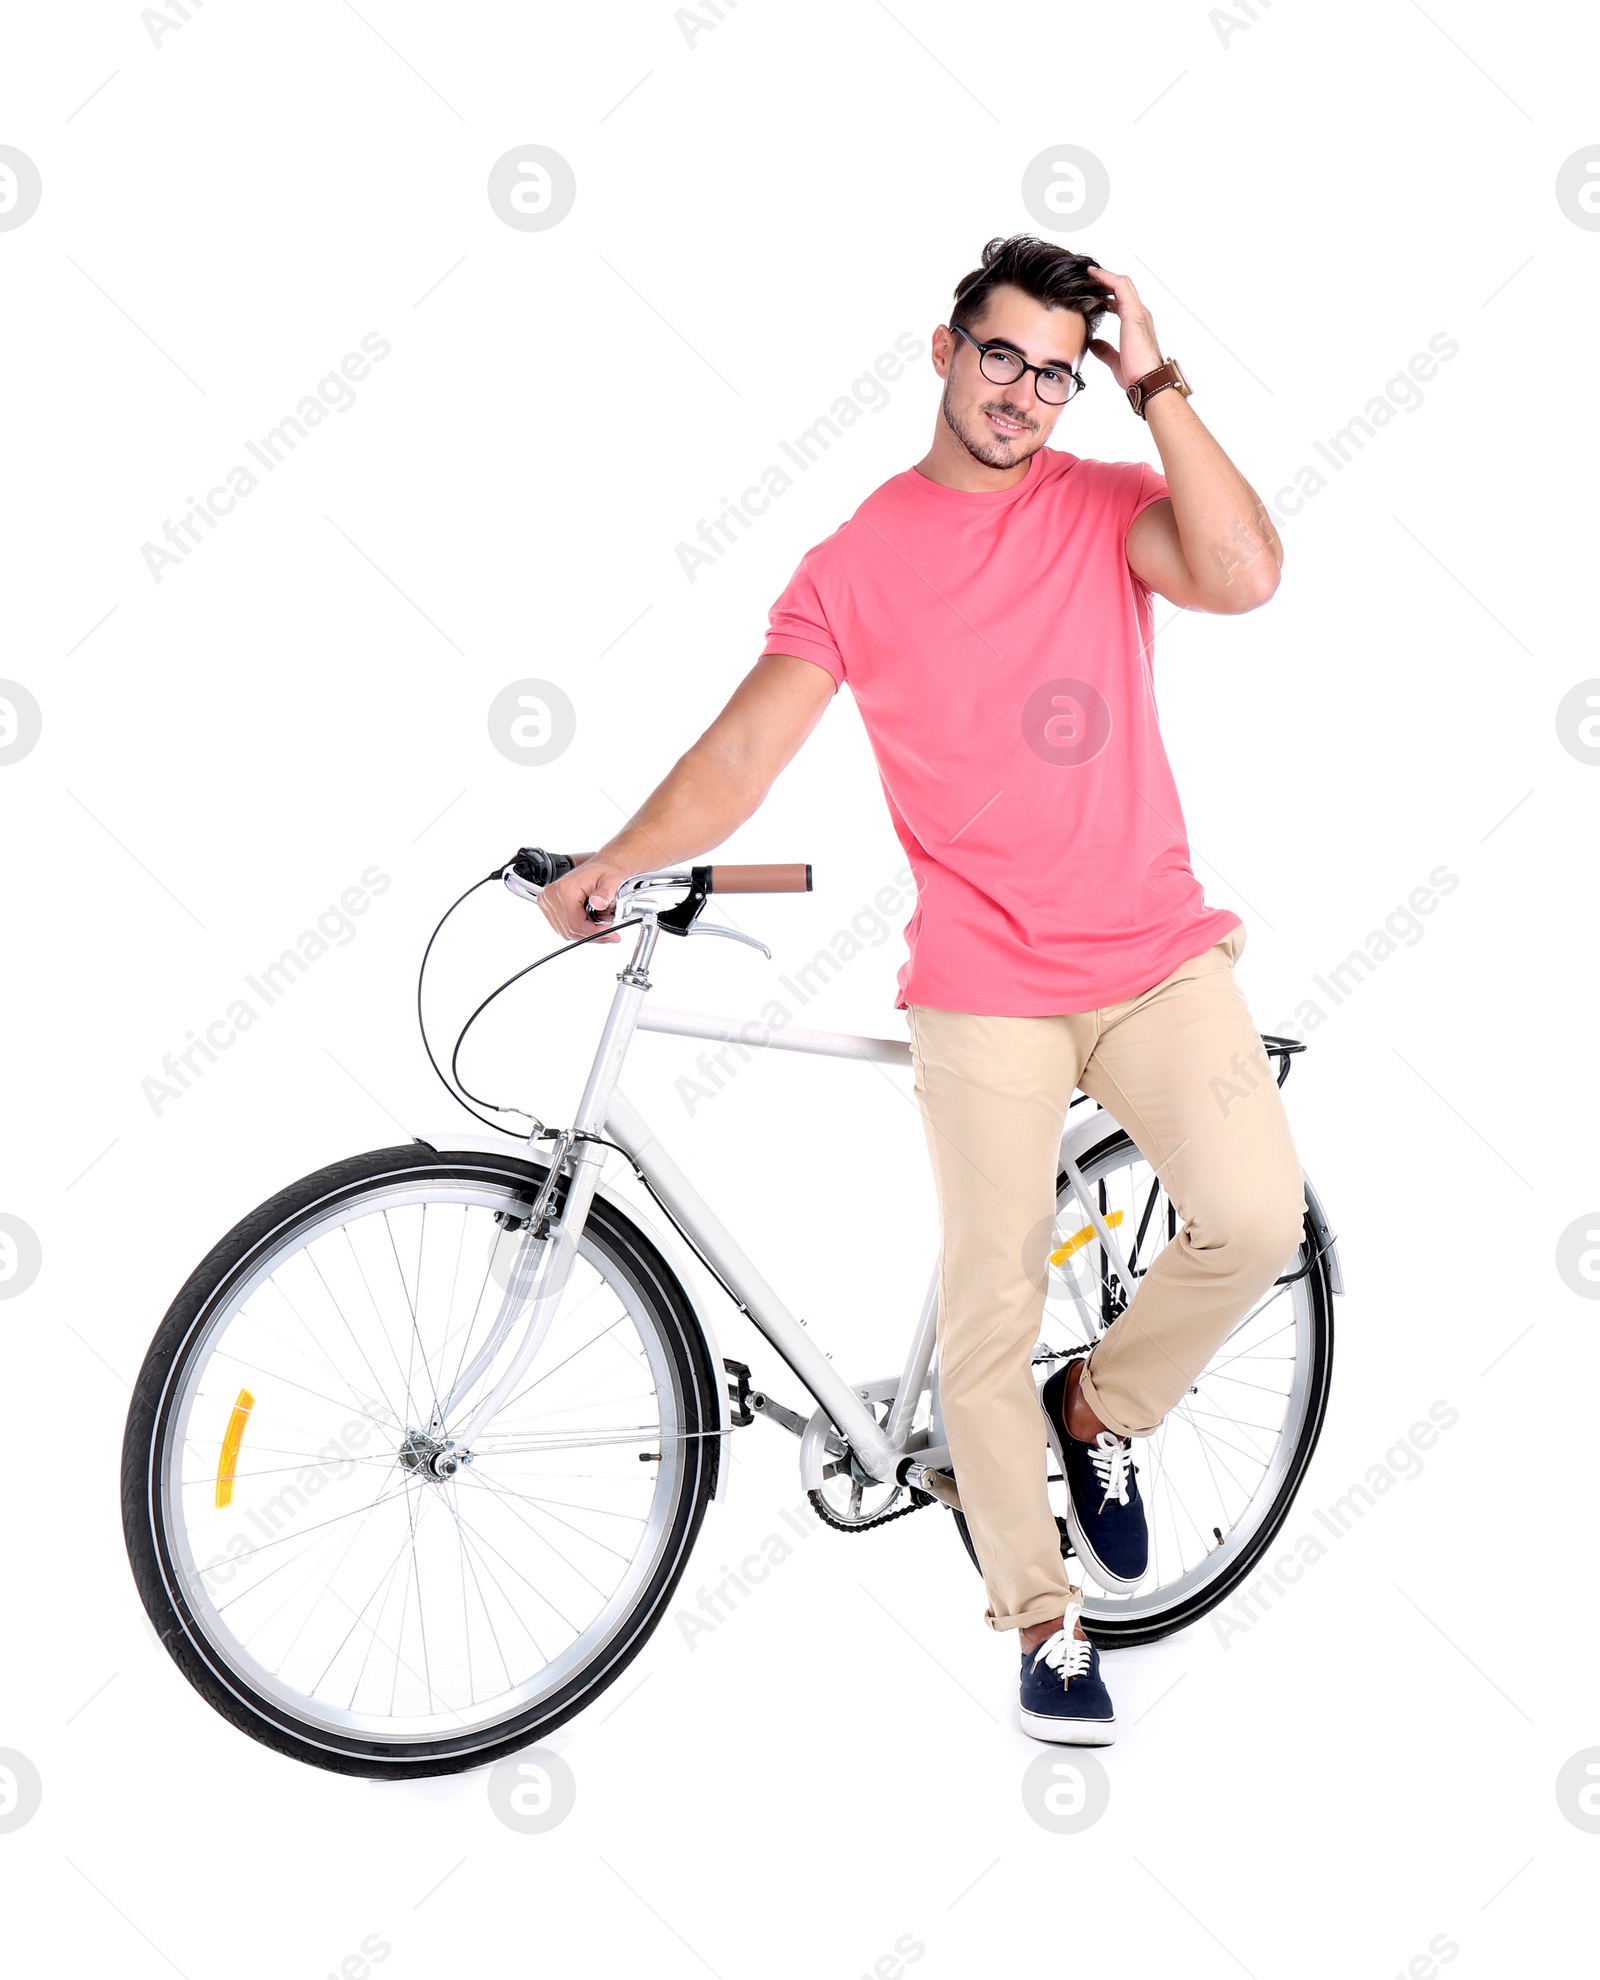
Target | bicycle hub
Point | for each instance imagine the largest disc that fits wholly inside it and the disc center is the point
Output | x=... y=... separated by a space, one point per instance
x=429 y=1457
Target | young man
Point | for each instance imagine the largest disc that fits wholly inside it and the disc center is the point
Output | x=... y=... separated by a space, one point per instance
x=990 y=609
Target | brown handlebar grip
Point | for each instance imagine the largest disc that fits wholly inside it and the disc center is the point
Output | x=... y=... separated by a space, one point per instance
x=794 y=879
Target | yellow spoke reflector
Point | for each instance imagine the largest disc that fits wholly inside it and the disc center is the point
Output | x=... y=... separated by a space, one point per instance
x=1083 y=1237
x=233 y=1437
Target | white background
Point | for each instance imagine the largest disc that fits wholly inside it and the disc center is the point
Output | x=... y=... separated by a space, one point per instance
x=763 y=205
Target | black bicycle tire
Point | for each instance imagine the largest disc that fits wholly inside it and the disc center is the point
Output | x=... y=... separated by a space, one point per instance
x=625 y=1245
x=1111 y=1632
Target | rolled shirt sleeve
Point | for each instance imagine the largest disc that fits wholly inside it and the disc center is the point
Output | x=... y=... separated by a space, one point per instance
x=798 y=624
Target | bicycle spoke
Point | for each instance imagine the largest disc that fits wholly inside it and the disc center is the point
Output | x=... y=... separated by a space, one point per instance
x=545 y=1540
x=305 y=1324
x=305 y=1583
x=266 y=1374
x=1210 y=1444
x=305 y=1533
x=316 y=1267
x=1262 y=1388
x=468 y=1562
x=455 y=1280
x=377 y=1311
x=372 y=1641
x=477 y=1305
x=545 y=1377
x=411 y=1305
x=644 y=1432
x=484 y=1541
x=574 y=1505
x=399 y=1554
x=421 y=1619
x=308 y=1463
x=488 y=1484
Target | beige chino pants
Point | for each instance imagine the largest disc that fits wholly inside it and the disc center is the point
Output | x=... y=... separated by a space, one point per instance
x=994 y=1093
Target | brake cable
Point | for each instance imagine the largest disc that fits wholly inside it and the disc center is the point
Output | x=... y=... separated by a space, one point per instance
x=540 y=1131
x=686 y=911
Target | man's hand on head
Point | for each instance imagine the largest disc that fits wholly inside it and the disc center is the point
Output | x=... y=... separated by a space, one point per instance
x=1138 y=349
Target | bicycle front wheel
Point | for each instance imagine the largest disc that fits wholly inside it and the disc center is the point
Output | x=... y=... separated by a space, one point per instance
x=310 y=1575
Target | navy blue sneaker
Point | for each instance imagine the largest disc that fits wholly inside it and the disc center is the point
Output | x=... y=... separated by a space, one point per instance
x=1105 y=1515
x=1064 y=1697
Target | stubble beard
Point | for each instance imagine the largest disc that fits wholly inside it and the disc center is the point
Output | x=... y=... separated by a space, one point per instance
x=990 y=450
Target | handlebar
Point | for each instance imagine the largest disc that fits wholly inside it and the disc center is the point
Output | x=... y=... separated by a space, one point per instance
x=793 y=879
x=540 y=868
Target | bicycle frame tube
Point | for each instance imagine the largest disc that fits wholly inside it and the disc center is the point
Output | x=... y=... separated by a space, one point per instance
x=1092 y=1212
x=540 y=1272
x=765 y=1309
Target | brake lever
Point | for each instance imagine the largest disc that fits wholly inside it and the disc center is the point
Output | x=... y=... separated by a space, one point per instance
x=733 y=935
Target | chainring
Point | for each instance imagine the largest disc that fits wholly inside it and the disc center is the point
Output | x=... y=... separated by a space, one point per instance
x=835 y=1452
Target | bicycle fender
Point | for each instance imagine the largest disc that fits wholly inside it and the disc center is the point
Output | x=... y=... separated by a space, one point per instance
x=1327 y=1244
x=1080 y=1136
x=665 y=1239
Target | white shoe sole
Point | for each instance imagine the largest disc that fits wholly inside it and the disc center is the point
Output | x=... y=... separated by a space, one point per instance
x=1069 y=1732
x=1117 y=1584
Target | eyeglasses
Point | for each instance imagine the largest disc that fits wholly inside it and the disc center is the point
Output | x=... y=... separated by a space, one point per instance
x=1003 y=366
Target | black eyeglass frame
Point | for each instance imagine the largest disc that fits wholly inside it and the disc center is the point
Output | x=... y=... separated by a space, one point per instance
x=1080 y=383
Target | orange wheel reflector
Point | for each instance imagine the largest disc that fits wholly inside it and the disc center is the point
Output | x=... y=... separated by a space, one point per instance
x=1086 y=1236
x=233 y=1437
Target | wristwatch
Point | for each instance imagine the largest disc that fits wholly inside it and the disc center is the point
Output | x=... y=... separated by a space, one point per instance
x=1168 y=372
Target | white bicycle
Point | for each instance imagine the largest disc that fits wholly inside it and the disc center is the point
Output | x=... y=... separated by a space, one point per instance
x=420 y=1451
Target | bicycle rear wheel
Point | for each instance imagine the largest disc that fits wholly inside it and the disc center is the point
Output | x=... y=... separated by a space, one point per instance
x=1220 y=1473
x=311 y=1577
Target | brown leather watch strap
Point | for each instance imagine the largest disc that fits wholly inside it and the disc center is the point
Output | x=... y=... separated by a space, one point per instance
x=1165 y=374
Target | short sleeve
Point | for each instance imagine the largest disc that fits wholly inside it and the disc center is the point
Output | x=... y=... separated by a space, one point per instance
x=798 y=623
x=1148 y=486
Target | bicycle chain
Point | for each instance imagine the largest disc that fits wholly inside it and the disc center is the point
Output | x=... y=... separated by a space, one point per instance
x=820 y=1508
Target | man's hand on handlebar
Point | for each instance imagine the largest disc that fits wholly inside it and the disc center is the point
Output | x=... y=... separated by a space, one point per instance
x=594 y=884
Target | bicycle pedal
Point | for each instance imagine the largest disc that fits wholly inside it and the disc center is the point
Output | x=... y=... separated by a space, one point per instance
x=739 y=1392
x=939 y=1485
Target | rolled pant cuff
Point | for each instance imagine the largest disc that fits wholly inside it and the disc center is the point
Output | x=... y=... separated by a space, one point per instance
x=1091 y=1396
x=1038 y=1612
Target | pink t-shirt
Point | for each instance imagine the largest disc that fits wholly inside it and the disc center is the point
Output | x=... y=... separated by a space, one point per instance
x=998 y=647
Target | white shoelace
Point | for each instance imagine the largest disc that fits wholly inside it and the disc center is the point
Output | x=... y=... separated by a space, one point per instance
x=1065 y=1653
x=1110 y=1458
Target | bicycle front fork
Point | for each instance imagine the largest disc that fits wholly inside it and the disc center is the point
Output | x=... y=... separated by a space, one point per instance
x=540 y=1270
x=544 y=1259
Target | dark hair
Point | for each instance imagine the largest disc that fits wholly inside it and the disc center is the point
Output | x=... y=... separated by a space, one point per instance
x=1052 y=275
